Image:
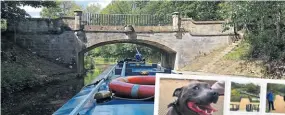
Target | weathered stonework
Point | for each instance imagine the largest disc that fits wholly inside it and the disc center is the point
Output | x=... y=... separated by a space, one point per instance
x=65 y=41
x=185 y=49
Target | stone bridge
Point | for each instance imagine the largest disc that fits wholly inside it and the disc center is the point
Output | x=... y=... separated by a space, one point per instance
x=67 y=39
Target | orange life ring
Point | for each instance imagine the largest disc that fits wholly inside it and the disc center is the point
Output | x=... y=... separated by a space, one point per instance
x=134 y=86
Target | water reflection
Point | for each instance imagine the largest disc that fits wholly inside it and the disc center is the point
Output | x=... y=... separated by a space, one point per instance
x=99 y=66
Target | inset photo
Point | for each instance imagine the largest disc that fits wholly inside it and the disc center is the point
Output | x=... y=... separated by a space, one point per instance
x=190 y=97
x=275 y=98
x=245 y=97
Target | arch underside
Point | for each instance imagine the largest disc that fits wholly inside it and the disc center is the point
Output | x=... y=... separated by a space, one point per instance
x=168 y=55
x=150 y=44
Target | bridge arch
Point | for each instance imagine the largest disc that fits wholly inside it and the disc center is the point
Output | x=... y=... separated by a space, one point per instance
x=167 y=53
x=151 y=44
x=67 y=38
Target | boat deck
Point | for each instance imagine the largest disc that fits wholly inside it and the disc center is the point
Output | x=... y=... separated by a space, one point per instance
x=123 y=107
x=84 y=103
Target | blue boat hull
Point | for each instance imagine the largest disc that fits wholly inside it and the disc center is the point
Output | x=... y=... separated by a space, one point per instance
x=115 y=106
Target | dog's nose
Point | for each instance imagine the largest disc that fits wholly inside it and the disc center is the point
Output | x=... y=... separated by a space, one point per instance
x=214 y=93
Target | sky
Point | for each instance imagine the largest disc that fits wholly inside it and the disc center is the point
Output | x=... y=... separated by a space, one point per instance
x=35 y=12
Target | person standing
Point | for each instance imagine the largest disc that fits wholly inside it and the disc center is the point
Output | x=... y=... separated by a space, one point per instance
x=138 y=56
x=270 y=99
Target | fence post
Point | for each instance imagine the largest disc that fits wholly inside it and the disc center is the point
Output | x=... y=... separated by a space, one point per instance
x=176 y=21
x=77 y=21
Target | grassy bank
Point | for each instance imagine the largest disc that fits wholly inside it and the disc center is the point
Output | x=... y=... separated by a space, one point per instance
x=22 y=69
x=236 y=62
x=31 y=85
x=239 y=53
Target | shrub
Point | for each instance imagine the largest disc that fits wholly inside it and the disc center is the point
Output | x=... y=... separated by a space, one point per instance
x=235 y=95
x=235 y=98
x=16 y=77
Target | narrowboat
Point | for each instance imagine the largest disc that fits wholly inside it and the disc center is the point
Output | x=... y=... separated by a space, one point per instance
x=126 y=88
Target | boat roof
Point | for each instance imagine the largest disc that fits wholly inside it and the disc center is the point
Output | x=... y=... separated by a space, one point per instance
x=83 y=102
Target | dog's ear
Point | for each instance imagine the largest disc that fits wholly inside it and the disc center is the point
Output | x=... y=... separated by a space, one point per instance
x=177 y=92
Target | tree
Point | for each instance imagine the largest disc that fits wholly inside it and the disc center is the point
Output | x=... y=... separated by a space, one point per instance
x=252 y=88
x=125 y=50
x=53 y=12
x=93 y=8
x=69 y=7
x=12 y=13
x=198 y=10
x=279 y=89
x=62 y=8
x=118 y=7
x=264 y=24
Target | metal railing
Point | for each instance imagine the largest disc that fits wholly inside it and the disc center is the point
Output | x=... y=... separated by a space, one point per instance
x=90 y=95
x=77 y=109
x=126 y=19
x=123 y=72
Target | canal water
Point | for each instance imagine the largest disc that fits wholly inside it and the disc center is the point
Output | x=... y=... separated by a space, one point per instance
x=92 y=74
x=100 y=65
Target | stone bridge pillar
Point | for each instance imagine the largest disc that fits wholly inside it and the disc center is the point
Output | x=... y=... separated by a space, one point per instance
x=168 y=60
x=80 y=55
x=80 y=63
x=77 y=21
x=176 y=21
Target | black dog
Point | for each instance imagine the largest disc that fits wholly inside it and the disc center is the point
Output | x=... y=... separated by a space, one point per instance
x=194 y=99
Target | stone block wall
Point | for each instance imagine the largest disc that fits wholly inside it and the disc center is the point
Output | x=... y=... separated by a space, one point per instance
x=61 y=48
x=43 y=25
x=121 y=28
x=204 y=27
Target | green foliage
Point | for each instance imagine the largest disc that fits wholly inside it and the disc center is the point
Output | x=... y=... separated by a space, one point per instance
x=278 y=89
x=240 y=52
x=88 y=62
x=16 y=77
x=12 y=13
x=53 y=12
x=198 y=10
x=249 y=87
x=118 y=7
x=93 y=8
x=264 y=24
x=235 y=95
x=3 y=24
x=125 y=50
x=203 y=10
x=235 y=92
x=252 y=88
x=61 y=9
